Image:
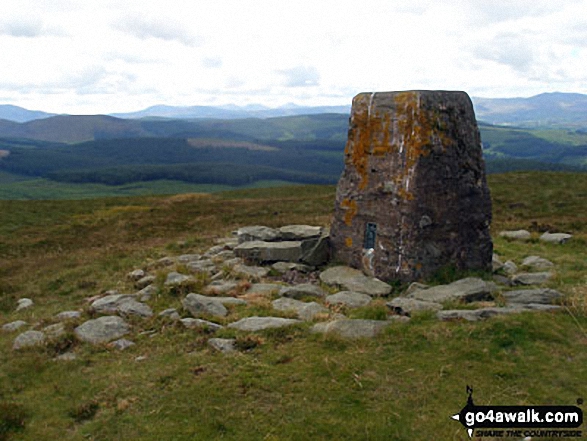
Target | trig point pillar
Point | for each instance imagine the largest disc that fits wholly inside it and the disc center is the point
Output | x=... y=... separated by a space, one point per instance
x=413 y=198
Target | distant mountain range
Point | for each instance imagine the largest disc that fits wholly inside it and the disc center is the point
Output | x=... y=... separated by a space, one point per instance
x=544 y=110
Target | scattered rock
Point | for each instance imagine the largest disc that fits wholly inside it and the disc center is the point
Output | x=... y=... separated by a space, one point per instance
x=299 y=232
x=121 y=344
x=224 y=345
x=194 y=323
x=537 y=263
x=264 y=289
x=558 y=238
x=220 y=287
x=29 y=339
x=164 y=262
x=231 y=301
x=406 y=306
x=254 y=324
x=67 y=356
x=473 y=315
x=287 y=304
x=415 y=286
x=541 y=307
x=197 y=305
x=68 y=315
x=354 y=280
x=136 y=275
x=284 y=267
x=102 y=330
x=55 y=331
x=110 y=304
x=256 y=233
x=532 y=296
x=176 y=279
x=13 y=326
x=302 y=290
x=354 y=329
x=202 y=266
x=254 y=272
x=350 y=299
x=502 y=280
x=224 y=255
x=147 y=293
x=496 y=263
x=260 y=252
x=213 y=251
x=170 y=313
x=516 y=235
x=510 y=268
x=531 y=278
x=312 y=310
x=134 y=308
x=466 y=290
x=188 y=258
x=144 y=282
x=24 y=304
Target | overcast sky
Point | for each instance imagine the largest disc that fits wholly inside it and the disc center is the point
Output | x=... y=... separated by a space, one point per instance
x=101 y=56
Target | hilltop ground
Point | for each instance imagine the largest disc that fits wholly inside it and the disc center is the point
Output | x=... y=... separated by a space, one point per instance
x=403 y=385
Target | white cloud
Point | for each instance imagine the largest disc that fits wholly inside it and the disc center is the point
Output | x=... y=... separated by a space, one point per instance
x=144 y=27
x=300 y=76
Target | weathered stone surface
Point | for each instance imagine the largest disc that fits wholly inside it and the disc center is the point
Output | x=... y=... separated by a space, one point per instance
x=531 y=278
x=260 y=251
x=473 y=315
x=136 y=275
x=110 y=304
x=147 y=293
x=415 y=286
x=305 y=311
x=170 y=313
x=29 y=339
x=254 y=324
x=496 y=263
x=134 y=308
x=254 y=272
x=193 y=323
x=54 y=331
x=537 y=263
x=516 y=235
x=556 y=237
x=348 y=298
x=287 y=304
x=121 y=344
x=283 y=267
x=264 y=289
x=231 y=301
x=353 y=329
x=510 y=268
x=532 y=296
x=224 y=345
x=197 y=305
x=13 y=326
x=466 y=290
x=302 y=290
x=354 y=280
x=406 y=306
x=24 y=303
x=201 y=266
x=256 y=232
x=220 y=287
x=187 y=258
x=102 y=330
x=68 y=315
x=176 y=279
x=299 y=232
x=414 y=178
x=316 y=251
x=143 y=282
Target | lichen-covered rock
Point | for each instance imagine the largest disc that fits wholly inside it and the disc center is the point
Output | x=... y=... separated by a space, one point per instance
x=102 y=330
x=13 y=326
x=523 y=235
x=255 y=324
x=350 y=299
x=197 y=305
x=406 y=306
x=413 y=197
x=302 y=290
x=355 y=329
x=29 y=339
x=466 y=290
x=354 y=280
x=555 y=237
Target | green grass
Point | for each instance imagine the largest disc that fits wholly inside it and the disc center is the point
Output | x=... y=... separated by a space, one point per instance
x=287 y=385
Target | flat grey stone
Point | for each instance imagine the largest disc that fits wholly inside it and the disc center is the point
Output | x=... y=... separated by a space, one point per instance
x=68 y=315
x=406 y=306
x=316 y=251
x=24 y=303
x=202 y=266
x=256 y=232
x=254 y=324
x=176 y=279
x=466 y=290
x=349 y=298
x=187 y=258
x=121 y=344
x=136 y=275
x=102 y=330
x=299 y=232
x=110 y=304
x=197 y=305
x=312 y=310
x=474 y=315
x=231 y=301
x=219 y=287
x=224 y=255
x=265 y=289
x=261 y=251
x=537 y=263
x=354 y=280
x=54 y=331
x=287 y=304
x=254 y=272
x=144 y=282
x=496 y=263
x=147 y=293
x=13 y=326
x=224 y=345
x=509 y=268
x=532 y=296
x=541 y=307
x=557 y=238
x=353 y=329
x=415 y=286
x=29 y=339
x=302 y=290
x=68 y=356
x=213 y=251
x=134 y=308
x=165 y=262
x=531 y=278
x=284 y=267
x=170 y=313
x=502 y=280
x=193 y=323
x=516 y=235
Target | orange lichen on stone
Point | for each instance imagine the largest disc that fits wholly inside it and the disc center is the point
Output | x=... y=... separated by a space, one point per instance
x=351 y=207
x=348 y=242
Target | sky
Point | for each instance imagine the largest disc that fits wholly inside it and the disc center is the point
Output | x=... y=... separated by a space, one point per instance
x=102 y=56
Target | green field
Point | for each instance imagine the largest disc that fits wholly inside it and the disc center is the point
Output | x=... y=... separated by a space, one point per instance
x=287 y=385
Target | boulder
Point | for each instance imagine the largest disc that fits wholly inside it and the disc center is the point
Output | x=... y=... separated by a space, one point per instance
x=102 y=330
x=136 y=275
x=264 y=252
x=177 y=279
x=264 y=289
x=302 y=290
x=254 y=324
x=516 y=235
x=29 y=339
x=197 y=305
x=354 y=280
x=121 y=344
x=255 y=233
x=466 y=290
x=532 y=296
x=134 y=308
x=253 y=272
x=284 y=267
x=24 y=304
x=557 y=238
x=170 y=313
x=14 y=326
x=537 y=263
x=531 y=278
x=144 y=282
x=68 y=315
x=354 y=329
x=110 y=304
x=350 y=299
x=193 y=323
x=224 y=345
x=407 y=306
